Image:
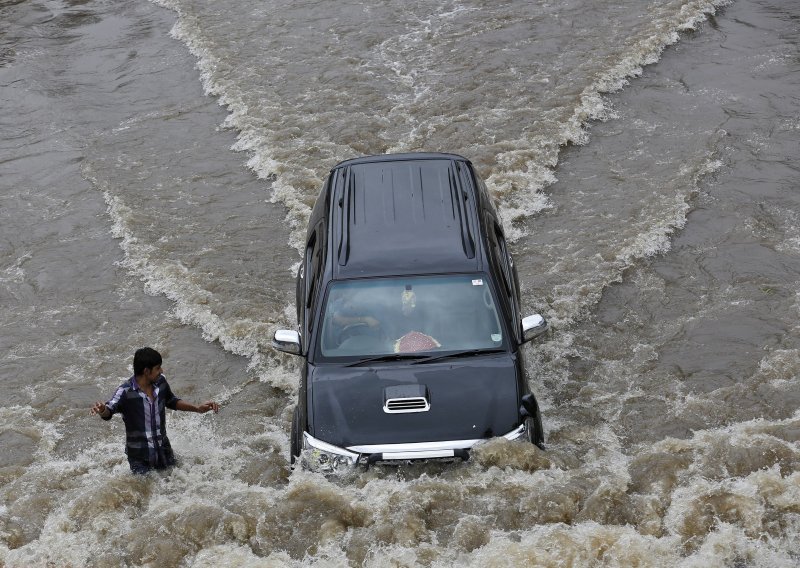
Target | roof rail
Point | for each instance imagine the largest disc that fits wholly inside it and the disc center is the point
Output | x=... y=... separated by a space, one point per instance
x=459 y=196
x=345 y=204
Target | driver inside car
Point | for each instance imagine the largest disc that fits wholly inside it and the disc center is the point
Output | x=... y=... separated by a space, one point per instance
x=353 y=310
x=353 y=314
x=343 y=319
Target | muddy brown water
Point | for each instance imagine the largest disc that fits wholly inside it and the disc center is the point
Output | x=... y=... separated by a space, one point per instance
x=157 y=164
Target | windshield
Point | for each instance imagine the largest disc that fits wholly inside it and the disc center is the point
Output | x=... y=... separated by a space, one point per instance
x=423 y=314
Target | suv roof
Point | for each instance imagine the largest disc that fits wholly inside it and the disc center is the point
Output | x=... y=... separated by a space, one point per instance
x=406 y=213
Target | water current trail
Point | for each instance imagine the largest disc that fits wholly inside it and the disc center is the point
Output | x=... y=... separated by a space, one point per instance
x=154 y=189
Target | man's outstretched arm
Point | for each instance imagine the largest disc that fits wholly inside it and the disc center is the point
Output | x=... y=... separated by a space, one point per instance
x=202 y=408
x=107 y=409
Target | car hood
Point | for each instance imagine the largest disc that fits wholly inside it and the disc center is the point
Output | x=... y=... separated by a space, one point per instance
x=469 y=399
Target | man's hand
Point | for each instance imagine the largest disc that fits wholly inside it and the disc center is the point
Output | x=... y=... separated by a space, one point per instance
x=208 y=405
x=99 y=408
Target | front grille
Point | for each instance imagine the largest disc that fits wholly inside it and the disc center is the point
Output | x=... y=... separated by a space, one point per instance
x=416 y=457
x=413 y=404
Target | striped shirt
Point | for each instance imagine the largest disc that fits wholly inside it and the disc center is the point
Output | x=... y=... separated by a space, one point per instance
x=145 y=425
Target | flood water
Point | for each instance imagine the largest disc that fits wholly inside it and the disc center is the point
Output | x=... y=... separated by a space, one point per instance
x=158 y=162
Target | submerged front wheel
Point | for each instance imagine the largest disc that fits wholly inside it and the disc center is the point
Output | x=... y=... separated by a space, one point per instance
x=294 y=441
x=534 y=431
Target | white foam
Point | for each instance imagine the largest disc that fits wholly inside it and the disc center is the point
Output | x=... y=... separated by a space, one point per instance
x=96 y=507
x=15 y=274
x=591 y=106
x=22 y=420
x=241 y=336
x=237 y=556
x=523 y=182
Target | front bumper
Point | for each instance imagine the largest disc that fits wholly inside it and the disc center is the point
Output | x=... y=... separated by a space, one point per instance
x=327 y=458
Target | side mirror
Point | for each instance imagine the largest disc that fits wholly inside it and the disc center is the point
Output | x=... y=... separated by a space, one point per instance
x=529 y=406
x=287 y=341
x=533 y=326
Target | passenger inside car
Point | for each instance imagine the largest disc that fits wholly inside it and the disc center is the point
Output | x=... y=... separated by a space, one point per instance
x=414 y=328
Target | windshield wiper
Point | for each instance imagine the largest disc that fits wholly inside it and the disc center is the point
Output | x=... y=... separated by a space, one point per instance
x=456 y=354
x=388 y=357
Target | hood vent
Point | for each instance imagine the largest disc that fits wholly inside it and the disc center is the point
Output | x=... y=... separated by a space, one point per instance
x=406 y=398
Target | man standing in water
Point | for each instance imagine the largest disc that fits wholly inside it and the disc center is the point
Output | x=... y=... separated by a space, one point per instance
x=142 y=400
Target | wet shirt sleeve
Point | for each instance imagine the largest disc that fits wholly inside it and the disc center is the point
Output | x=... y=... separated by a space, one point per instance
x=115 y=403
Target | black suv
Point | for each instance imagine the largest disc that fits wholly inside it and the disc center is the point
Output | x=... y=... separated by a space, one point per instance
x=409 y=318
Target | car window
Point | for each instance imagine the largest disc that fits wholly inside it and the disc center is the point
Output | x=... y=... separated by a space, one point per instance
x=508 y=274
x=408 y=315
x=313 y=265
x=308 y=268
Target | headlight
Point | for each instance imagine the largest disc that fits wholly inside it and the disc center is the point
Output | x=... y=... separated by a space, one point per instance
x=518 y=433
x=326 y=458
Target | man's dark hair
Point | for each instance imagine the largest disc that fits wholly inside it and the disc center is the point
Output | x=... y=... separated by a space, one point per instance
x=145 y=358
